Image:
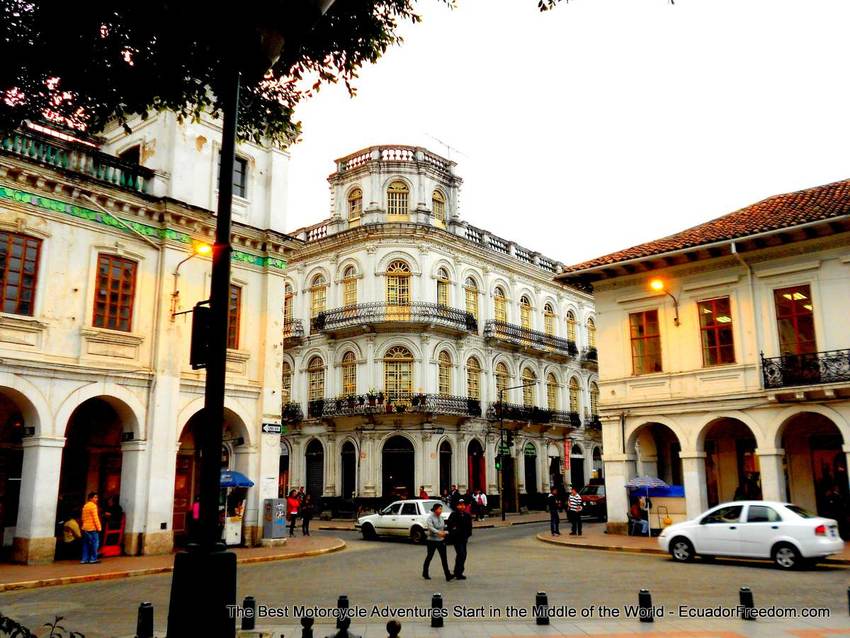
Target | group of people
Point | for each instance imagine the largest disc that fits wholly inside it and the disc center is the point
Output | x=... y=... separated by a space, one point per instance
x=82 y=528
x=300 y=505
x=572 y=504
x=456 y=531
x=475 y=500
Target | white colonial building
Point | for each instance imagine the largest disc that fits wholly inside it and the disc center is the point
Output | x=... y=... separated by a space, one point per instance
x=403 y=322
x=725 y=356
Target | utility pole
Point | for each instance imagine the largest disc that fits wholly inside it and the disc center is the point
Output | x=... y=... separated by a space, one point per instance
x=500 y=462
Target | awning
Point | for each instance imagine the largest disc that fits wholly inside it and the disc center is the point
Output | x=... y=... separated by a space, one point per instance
x=235 y=479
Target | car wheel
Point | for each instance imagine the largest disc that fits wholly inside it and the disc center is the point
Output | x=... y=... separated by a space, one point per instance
x=681 y=549
x=369 y=532
x=417 y=534
x=787 y=556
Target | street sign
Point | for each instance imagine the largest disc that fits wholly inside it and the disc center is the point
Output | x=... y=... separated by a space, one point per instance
x=272 y=428
x=504 y=449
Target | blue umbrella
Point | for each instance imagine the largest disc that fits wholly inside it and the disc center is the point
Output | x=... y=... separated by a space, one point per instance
x=646 y=482
x=235 y=479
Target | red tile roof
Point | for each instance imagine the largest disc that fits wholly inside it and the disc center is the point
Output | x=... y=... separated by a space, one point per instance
x=774 y=213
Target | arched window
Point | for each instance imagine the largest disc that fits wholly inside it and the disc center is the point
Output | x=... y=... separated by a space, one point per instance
x=398 y=198
x=438 y=207
x=500 y=305
x=571 y=326
x=398 y=373
x=549 y=319
x=316 y=379
x=355 y=206
x=503 y=379
x=286 y=389
x=471 y=293
x=525 y=312
x=443 y=287
x=591 y=333
x=574 y=391
x=594 y=399
x=551 y=392
x=473 y=378
x=349 y=286
x=287 y=303
x=529 y=380
x=398 y=283
x=318 y=295
x=445 y=375
x=349 y=373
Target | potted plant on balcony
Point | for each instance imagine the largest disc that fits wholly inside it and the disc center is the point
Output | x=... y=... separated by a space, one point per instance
x=473 y=407
x=380 y=398
x=352 y=401
x=400 y=408
x=339 y=405
x=389 y=404
x=372 y=397
x=361 y=400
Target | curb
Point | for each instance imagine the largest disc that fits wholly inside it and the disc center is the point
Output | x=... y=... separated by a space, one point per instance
x=132 y=573
x=643 y=550
x=485 y=526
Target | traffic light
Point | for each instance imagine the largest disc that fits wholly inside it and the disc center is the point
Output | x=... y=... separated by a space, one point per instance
x=510 y=437
x=498 y=462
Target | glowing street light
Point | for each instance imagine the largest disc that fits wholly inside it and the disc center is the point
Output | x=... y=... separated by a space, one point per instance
x=657 y=284
x=199 y=249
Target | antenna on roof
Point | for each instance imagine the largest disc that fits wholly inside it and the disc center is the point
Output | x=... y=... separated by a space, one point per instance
x=449 y=148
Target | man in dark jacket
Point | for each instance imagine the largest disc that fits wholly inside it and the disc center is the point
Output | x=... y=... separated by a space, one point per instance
x=460 y=529
x=555 y=505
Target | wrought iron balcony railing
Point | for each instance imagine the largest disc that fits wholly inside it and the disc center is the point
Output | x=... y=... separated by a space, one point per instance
x=394 y=403
x=590 y=354
x=293 y=329
x=517 y=335
x=77 y=158
x=531 y=414
x=292 y=413
x=417 y=312
x=814 y=368
x=592 y=422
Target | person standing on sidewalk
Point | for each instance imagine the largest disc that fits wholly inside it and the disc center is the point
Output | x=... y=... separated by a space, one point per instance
x=293 y=503
x=436 y=541
x=460 y=529
x=307 y=512
x=91 y=530
x=553 y=501
x=574 y=511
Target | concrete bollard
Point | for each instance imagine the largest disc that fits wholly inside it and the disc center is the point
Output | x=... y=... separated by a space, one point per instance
x=393 y=629
x=541 y=603
x=307 y=627
x=436 y=603
x=249 y=612
x=645 y=611
x=144 y=621
x=341 y=603
x=745 y=595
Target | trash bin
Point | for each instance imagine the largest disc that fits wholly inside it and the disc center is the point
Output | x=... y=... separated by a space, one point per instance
x=274 y=518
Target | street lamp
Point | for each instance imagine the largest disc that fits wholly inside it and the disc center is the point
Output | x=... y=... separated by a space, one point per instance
x=501 y=473
x=199 y=248
x=658 y=285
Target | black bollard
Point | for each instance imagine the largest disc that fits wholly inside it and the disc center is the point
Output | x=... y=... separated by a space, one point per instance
x=307 y=627
x=249 y=612
x=645 y=611
x=437 y=616
x=745 y=595
x=144 y=621
x=541 y=604
x=393 y=629
x=341 y=603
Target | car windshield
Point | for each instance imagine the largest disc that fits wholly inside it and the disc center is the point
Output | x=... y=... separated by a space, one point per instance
x=799 y=511
x=593 y=490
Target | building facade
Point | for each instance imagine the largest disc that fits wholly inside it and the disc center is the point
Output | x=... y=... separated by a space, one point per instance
x=403 y=322
x=725 y=357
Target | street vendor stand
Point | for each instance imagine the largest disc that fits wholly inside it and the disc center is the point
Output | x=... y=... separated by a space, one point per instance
x=234 y=486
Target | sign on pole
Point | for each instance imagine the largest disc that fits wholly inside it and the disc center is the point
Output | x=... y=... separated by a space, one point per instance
x=272 y=428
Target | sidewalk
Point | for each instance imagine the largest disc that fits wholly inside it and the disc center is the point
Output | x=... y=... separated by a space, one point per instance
x=594 y=537
x=492 y=521
x=16 y=577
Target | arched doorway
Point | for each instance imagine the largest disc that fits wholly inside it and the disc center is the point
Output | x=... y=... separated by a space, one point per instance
x=445 y=467
x=348 y=458
x=397 y=464
x=577 y=466
x=530 y=460
x=731 y=466
x=314 y=465
x=816 y=467
x=476 y=465
x=11 y=462
x=656 y=448
x=598 y=465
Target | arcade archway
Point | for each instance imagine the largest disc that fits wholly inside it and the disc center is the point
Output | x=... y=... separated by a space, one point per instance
x=397 y=468
x=731 y=466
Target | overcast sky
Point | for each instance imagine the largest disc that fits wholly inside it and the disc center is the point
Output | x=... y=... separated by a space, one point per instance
x=603 y=123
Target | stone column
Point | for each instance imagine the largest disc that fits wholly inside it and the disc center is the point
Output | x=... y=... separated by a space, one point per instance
x=429 y=460
x=367 y=463
x=619 y=468
x=133 y=493
x=461 y=460
x=519 y=447
x=247 y=462
x=772 y=474
x=330 y=464
x=693 y=477
x=35 y=540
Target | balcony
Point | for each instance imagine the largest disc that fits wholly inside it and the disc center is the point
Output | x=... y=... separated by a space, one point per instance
x=589 y=358
x=366 y=405
x=384 y=317
x=292 y=413
x=524 y=338
x=532 y=414
x=592 y=422
x=77 y=158
x=815 y=368
x=293 y=332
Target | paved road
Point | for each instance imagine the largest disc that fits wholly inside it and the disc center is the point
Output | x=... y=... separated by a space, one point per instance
x=506 y=567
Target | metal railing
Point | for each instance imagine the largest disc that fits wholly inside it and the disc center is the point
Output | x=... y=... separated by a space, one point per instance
x=383 y=312
x=517 y=335
x=292 y=413
x=814 y=368
x=531 y=414
x=293 y=329
x=590 y=354
x=394 y=403
x=77 y=158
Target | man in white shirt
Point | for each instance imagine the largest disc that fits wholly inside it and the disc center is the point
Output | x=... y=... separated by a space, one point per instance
x=481 y=503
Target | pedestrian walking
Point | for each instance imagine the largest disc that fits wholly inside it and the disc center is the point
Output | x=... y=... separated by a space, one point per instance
x=555 y=505
x=91 y=530
x=574 y=511
x=481 y=502
x=307 y=511
x=454 y=496
x=293 y=504
x=422 y=492
x=436 y=541
x=301 y=494
x=459 y=526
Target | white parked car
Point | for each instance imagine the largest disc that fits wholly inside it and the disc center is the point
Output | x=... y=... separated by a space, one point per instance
x=788 y=535
x=402 y=518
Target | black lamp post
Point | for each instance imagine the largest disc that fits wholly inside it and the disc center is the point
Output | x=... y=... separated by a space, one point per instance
x=203 y=586
x=502 y=443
